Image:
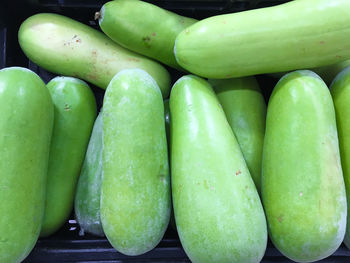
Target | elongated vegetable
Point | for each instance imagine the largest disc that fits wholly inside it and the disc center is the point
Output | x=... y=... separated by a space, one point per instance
x=144 y=28
x=340 y=90
x=135 y=195
x=75 y=112
x=67 y=47
x=302 y=184
x=245 y=110
x=294 y=35
x=219 y=216
x=26 y=122
x=87 y=197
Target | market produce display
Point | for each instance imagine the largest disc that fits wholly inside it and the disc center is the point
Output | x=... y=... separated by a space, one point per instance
x=26 y=123
x=340 y=90
x=218 y=213
x=294 y=35
x=87 y=197
x=302 y=182
x=204 y=156
x=135 y=194
x=245 y=111
x=143 y=28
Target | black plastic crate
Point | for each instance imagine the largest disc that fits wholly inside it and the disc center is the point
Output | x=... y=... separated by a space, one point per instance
x=67 y=245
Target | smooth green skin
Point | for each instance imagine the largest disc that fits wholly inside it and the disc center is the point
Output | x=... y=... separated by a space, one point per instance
x=303 y=189
x=144 y=28
x=297 y=34
x=167 y=129
x=87 y=197
x=219 y=216
x=26 y=122
x=167 y=120
x=67 y=47
x=75 y=113
x=327 y=73
x=135 y=196
x=340 y=90
x=245 y=110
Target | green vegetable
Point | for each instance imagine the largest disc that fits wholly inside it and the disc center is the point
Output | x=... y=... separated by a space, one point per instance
x=26 y=122
x=87 y=197
x=75 y=112
x=302 y=185
x=144 y=28
x=65 y=46
x=294 y=35
x=340 y=90
x=219 y=216
x=245 y=111
x=135 y=195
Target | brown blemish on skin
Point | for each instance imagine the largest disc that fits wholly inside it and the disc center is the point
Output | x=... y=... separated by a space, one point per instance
x=66 y=107
x=238 y=172
x=227 y=76
x=322 y=42
x=78 y=40
x=338 y=56
x=146 y=41
x=206 y=184
x=91 y=76
x=154 y=34
x=134 y=59
x=94 y=53
x=280 y=218
x=246 y=187
x=224 y=22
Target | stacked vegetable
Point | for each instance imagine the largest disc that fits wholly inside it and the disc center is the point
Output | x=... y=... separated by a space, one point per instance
x=230 y=187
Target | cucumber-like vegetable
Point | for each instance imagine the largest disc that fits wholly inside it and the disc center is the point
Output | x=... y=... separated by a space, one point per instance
x=75 y=112
x=135 y=195
x=26 y=123
x=144 y=28
x=219 y=216
x=245 y=110
x=302 y=185
x=167 y=129
x=340 y=90
x=67 y=47
x=297 y=34
x=87 y=197
x=327 y=73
